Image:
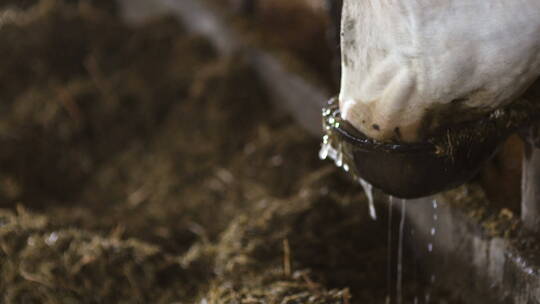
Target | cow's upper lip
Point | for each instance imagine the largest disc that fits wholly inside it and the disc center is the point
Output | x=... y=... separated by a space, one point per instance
x=449 y=158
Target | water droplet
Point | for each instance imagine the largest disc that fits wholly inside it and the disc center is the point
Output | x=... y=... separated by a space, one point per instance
x=339 y=158
x=389 y=251
x=331 y=120
x=399 y=283
x=332 y=153
x=326 y=112
x=323 y=153
x=433 y=231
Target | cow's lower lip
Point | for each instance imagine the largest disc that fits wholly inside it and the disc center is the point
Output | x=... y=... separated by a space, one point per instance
x=411 y=170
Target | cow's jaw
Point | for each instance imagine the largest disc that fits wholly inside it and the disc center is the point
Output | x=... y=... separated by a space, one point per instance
x=408 y=65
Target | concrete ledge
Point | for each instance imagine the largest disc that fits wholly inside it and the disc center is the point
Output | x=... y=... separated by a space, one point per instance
x=483 y=257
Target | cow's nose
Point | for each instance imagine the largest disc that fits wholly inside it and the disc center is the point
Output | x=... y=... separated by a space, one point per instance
x=447 y=158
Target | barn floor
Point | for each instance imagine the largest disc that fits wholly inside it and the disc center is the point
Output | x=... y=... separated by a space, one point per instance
x=137 y=166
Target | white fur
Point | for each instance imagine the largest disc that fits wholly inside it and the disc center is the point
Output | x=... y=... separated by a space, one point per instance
x=403 y=58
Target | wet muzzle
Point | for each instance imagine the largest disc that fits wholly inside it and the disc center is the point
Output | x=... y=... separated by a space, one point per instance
x=449 y=158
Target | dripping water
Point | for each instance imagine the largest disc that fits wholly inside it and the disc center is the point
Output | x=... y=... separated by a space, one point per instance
x=433 y=231
x=328 y=151
x=389 y=251
x=430 y=247
x=399 y=283
x=368 y=189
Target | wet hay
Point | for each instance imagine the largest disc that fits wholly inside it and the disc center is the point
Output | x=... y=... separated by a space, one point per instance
x=137 y=166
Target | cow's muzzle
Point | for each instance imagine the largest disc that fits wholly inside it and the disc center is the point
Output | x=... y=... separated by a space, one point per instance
x=450 y=157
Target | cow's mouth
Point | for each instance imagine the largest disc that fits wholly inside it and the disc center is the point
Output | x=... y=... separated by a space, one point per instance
x=450 y=157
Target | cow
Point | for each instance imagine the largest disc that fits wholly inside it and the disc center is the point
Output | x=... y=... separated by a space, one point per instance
x=409 y=66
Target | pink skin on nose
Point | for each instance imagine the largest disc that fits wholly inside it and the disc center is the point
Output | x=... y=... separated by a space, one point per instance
x=409 y=64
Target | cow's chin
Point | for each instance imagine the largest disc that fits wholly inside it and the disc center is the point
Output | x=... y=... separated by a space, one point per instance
x=448 y=157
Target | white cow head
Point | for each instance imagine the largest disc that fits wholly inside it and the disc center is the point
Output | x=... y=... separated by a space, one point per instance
x=409 y=66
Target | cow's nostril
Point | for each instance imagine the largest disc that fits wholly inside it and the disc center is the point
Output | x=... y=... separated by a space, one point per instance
x=450 y=157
